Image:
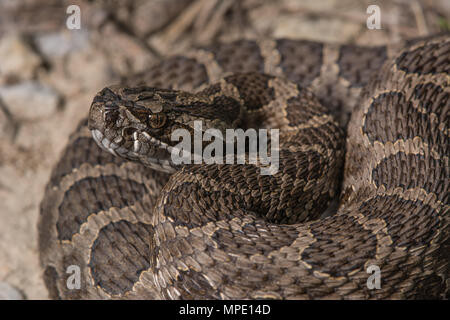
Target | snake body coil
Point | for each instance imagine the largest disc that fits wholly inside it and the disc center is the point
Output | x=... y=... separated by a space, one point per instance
x=224 y=231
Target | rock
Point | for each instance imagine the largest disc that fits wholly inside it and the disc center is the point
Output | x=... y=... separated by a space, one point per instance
x=8 y=292
x=89 y=70
x=31 y=16
x=125 y=54
x=57 y=44
x=330 y=30
x=18 y=60
x=83 y=71
x=152 y=15
x=30 y=100
x=143 y=17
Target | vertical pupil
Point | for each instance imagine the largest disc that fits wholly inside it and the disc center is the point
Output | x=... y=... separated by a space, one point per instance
x=157 y=120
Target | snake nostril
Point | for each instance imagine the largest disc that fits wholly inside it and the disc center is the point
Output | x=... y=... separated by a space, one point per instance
x=110 y=117
x=128 y=132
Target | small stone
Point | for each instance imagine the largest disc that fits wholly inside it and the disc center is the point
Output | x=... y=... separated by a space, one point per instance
x=8 y=292
x=8 y=125
x=30 y=100
x=4 y=121
x=18 y=60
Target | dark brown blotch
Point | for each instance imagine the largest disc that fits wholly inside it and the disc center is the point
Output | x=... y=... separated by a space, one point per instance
x=302 y=108
x=191 y=205
x=411 y=223
x=173 y=72
x=238 y=56
x=83 y=150
x=434 y=99
x=91 y=195
x=357 y=64
x=301 y=60
x=431 y=58
x=222 y=107
x=119 y=255
x=412 y=171
x=391 y=117
x=341 y=246
x=253 y=89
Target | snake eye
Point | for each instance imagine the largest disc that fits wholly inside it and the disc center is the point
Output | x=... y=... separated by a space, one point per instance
x=157 y=120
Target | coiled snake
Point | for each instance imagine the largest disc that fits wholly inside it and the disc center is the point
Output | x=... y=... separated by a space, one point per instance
x=224 y=231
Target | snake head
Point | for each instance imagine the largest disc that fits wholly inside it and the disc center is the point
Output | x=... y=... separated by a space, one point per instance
x=135 y=124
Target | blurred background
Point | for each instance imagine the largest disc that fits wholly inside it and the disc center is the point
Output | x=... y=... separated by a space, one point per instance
x=49 y=75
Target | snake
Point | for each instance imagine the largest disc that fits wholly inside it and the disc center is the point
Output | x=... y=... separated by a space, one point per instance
x=357 y=209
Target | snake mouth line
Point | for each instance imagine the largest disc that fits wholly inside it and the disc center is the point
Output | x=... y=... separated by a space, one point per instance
x=106 y=144
x=138 y=152
x=116 y=148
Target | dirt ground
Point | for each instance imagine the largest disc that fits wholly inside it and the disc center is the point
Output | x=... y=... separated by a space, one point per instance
x=50 y=73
